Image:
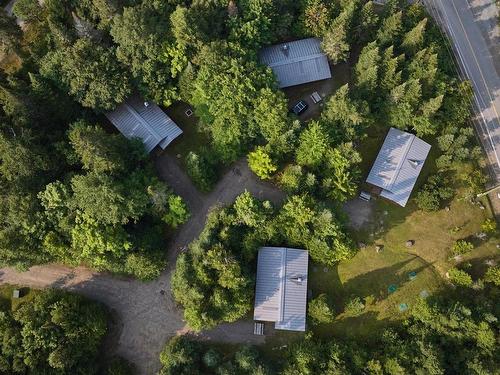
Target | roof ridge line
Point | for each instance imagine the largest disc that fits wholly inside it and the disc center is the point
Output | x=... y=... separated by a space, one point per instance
x=134 y=113
x=296 y=60
x=401 y=162
x=284 y=258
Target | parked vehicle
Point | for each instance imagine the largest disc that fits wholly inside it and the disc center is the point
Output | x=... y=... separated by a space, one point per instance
x=300 y=107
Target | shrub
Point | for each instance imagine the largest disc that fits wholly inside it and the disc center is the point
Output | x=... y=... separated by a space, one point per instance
x=434 y=192
x=489 y=226
x=291 y=178
x=180 y=356
x=320 y=311
x=200 y=170
x=493 y=275
x=142 y=267
x=178 y=212
x=354 y=306
x=212 y=358
x=120 y=366
x=461 y=247
x=27 y=10
x=475 y=182
x=261 y=163
x=459 y=277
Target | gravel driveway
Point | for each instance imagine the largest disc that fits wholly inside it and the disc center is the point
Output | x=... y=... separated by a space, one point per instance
x=148 y=316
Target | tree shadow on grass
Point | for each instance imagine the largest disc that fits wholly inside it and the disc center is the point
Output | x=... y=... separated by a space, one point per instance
x=376 y=283
x=354 y=327
x=325 y=282
x=477 y=267
x=373 y=284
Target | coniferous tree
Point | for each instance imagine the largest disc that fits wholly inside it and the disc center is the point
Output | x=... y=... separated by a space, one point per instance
x=390 y=75
x=313 y=143
x=367 y=70
x=316 y=18
x=390 y=29
x=368 y=21
x=413 y=39
x=424 y=67
x=344 y=118
x=336 y=43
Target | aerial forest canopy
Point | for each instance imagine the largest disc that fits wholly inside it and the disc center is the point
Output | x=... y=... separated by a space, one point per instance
x=53 y=333
x=401 y=77
x=75 y=194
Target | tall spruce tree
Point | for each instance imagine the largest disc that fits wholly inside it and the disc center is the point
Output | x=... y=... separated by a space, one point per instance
x=390 y=75
x=390 y=29
x=414 y=39
x=367 y=70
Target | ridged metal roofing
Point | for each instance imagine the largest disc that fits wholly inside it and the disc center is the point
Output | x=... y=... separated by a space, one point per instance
x=398 y=165
x=149 y=123
x=281 y=287
x=297 y=62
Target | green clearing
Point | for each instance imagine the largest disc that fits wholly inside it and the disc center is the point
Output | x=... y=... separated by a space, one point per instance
x=369 y=274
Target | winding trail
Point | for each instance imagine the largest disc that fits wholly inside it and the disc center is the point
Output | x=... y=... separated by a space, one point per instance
x=147 y=315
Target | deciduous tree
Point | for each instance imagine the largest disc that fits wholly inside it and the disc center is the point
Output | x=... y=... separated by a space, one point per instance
x=90 y=73
x=261 y=163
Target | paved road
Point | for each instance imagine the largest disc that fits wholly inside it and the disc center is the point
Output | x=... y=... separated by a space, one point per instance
x=473 y=28
x=147 y=314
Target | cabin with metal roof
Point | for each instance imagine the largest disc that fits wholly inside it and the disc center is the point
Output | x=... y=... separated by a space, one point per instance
x=297 y=62
x=137 y=118
x=281 y=287
x=398 y=165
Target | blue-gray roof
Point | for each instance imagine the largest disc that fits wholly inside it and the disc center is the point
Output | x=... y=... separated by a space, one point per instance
x=298 y=62
x=398 y=165
x=145 y=120
x=281 y=287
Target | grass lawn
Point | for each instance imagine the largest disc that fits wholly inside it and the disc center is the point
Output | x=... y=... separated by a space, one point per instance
x=6 y=300
x=191 y=139
x=369 y=274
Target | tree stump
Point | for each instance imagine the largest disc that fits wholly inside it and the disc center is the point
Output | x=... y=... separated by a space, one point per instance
x=410 y=243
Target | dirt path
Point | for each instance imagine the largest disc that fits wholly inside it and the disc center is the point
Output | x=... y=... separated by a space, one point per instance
x=148 y=316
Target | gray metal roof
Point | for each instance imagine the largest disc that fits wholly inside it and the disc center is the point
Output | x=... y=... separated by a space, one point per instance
x=398 y=165
x=298 y=62
x=280 y=296
x=149 y=123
